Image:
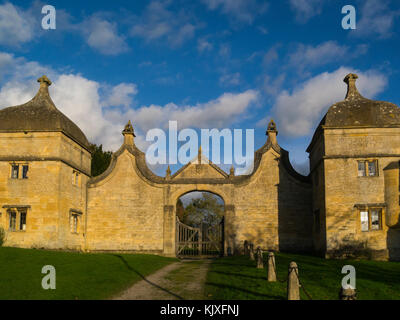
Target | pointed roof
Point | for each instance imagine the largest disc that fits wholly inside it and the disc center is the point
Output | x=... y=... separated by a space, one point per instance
x=356 y=111
x=41 y=115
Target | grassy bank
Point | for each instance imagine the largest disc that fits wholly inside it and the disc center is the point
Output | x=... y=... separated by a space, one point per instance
x=237 y=278
x=78 y=276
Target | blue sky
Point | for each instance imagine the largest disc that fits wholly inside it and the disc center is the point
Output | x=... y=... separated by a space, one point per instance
x=206 y=63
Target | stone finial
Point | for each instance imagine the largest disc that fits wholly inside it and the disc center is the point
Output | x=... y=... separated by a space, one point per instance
x=168 y=173
x=232 y=172
x=128 y=134
x=129 y=129
x=271 y=267
x=44 y=82
x=272 y=132
x=352 y=92
x=293 y=285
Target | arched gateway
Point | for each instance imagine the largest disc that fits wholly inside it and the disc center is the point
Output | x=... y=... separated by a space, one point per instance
x=132 y=209
x=48 y=198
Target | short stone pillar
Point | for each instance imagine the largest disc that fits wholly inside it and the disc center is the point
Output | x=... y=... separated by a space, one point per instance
x=348 y=294
x=271 y=267
x=246 y=248
x=251 y=252
x=293 y=285
x=260 y=261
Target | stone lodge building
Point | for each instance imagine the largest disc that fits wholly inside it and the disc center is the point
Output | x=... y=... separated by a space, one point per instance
x=348 y=205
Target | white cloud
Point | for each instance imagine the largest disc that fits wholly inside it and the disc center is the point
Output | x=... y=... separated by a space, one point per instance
x=122 y=95
x=239 y=10
x=324 y=53
x=158 y=22
x=87 y=102
x=16 y=26
x=204 y=45
x=376 y=19
x=306 y=9
x=218 y=113
x=298 y=112
x=232 y=79
x=103 y=36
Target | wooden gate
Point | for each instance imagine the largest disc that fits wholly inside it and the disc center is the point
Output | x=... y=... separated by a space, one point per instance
x=204 y=241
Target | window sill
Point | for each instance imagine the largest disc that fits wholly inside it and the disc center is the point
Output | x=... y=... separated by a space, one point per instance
x=75 y=233
x=17 y=231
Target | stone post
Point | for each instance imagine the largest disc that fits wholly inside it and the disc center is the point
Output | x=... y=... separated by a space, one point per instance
x=169 y=231
x=271 y=267
x=260 y=262
x=293 y=285
x=348 y=294
x=246 y=248
x=252 y=252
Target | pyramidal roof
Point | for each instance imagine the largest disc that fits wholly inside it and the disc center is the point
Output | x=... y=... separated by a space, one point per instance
x=41 y=115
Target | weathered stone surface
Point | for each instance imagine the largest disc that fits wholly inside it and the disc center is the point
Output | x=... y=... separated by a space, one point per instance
x=129 y=208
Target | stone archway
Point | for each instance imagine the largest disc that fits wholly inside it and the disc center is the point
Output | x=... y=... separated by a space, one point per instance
x=204 y=234
x=269 y=206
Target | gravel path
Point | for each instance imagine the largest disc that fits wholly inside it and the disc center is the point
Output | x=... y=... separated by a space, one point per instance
x=182 y=280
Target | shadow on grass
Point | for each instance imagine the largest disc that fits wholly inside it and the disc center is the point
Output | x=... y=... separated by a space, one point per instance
x=144 y=278
x=257 y=294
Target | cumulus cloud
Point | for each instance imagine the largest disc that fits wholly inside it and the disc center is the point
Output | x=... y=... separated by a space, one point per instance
x=87 y=102
x=239 y=10
x=103 y=36
x=158 y=22
x=324 y=53
x=376 y=19
x=218 y=113
x=299 y=111
x=204 y=45
x=306 y=9
x=232 y=79
x=122 y=95
x=16 y=25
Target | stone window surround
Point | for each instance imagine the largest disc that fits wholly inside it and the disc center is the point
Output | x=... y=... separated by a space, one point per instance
x=366 y=161
x=20 y=170
x=368 y=208
x=18 y=209
x=79 y=214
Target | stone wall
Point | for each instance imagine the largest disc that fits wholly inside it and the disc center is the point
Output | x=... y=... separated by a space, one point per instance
x=48 y=194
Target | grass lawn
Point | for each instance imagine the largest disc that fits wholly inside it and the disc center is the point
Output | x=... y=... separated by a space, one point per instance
x=78 y=275
x=236 y=278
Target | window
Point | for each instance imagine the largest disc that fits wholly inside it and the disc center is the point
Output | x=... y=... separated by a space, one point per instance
x=13 y=220
x=22 y=221
x=19 y=171
x=25 y=169
x=368 y=168
x=74 y=223
x=376 y=219
x=361 y=169
x=14 y=171
x=371 y=219
x=364 y=221
x=75 y=178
